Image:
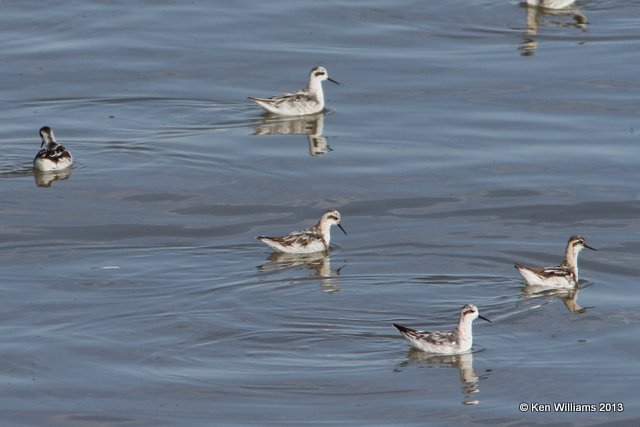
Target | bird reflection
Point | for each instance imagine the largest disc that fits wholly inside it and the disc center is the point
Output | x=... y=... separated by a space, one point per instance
x=47 y=178
x=555 y=13
x=318 y=262
x=568 y=296
x=311 y=126
x=469 y=379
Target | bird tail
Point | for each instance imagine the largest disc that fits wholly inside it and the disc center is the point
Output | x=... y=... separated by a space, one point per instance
x=402 y=329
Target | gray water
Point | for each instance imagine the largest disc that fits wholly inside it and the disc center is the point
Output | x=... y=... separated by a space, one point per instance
x=464 y=137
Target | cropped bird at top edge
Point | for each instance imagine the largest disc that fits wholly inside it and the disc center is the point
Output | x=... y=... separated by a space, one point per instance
x=309 y=240
x=459 y=340
x=52 y=156
x=550 y=4
x=562 y=276
x=309 y=100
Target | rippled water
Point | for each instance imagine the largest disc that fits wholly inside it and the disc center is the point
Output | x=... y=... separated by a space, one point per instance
x=464 y=137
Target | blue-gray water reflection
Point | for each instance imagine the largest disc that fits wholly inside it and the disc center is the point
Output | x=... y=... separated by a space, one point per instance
x=311 y=126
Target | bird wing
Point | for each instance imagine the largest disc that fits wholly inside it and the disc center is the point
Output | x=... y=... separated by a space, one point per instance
x=554 y=271
x=431 y=337
x=298 y=97
x=437 y=337
x=558 y=271
x=299 y=238
x=53 y=152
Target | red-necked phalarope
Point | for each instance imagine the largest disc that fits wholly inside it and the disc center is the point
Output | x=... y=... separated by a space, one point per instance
x=563 y=276
x=550 y=4
x=52 y=156
x=457 y=341
x=309 y=100
x=313 y=239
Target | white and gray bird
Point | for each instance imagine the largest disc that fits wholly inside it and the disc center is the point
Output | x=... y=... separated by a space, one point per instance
x=309 y=240
x=564 y=275
x=309 y=100
x=460 y=340
x=52 y=156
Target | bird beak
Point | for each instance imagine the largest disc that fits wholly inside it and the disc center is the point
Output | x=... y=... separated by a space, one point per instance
x=333 y=81
x=340 y=227
x=484 y=318
x=589 y=247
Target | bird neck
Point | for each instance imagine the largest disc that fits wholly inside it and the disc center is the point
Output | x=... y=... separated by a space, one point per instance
x=464 y=328
x=49 y=145
x=571 y=259
x=324 y=229
x=315 y=87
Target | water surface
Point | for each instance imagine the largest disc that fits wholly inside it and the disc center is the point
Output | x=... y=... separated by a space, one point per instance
x=464 y=137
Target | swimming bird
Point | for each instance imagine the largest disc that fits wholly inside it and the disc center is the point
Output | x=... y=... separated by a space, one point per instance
x=52 y=156
x=460 y=340
x=564 y=275
x=309 y=100
x=313 y=239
